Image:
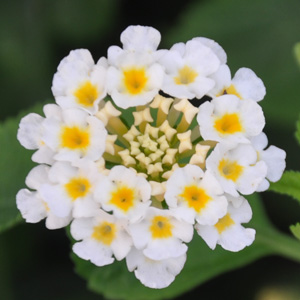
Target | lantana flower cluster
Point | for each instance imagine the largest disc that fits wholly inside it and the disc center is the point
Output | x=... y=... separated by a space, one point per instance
x=135 y=167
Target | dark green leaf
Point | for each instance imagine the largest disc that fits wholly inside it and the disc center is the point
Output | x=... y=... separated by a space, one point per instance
x=295 y=229
x=289 y=184
x=297 y=53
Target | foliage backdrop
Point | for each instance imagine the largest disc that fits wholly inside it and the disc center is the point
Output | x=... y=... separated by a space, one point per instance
x=36 y=34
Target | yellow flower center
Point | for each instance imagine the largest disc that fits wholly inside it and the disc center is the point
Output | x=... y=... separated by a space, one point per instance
x=230 y=169
x=105 y=233
x=123 y=198
x=195 y=197
x=77 y=187
x=75 y=138
x=224 y=223
x=161 y=227
x=228 y=124
x=86 y=94
x=135 y=80
x=186 y=75
x=232 y=91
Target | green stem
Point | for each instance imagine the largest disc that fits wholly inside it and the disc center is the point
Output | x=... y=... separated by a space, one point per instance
x=279 y=243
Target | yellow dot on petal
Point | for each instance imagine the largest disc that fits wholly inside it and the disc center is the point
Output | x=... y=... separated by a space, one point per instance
x=232 y=91
x=161 y=227
x=195 y=197
x=135 y=80
x=224 y=223
x=123 y=198
x=86 y=94
x=77 y=187
x=75 y=138
x=105 y=233
x=228 y=124
x=186 y=75
x=231 y=170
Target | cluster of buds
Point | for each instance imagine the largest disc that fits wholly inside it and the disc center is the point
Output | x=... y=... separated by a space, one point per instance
x=135 y=168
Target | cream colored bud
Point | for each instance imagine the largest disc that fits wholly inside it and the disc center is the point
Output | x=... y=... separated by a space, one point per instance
x=189 y=111
x=156 y=155
x=147 y=142
x=153 y=131
x=131 y=134
x=162 y=103
x=109 y=145
x=163 y=144
x=154 y=168
x=167 y=130
x=141 y=116
x=107 y=112
x=200 y=154
x=127 y=159
x=169 y=158
x=157 y=188
x=143 y=159
x=135 y=148
x=185 y=141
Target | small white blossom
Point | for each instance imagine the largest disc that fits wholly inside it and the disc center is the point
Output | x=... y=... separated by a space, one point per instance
x=237 y=169
x=192 y=194
x=227 y=119
x=124 y=193
x=71 y=189
x=33 y=206
x=79 y=82
x=160 y=235
x=103 y=238
x=155 y=274
x=187 y=68
x=228 y=231
x=74 y=135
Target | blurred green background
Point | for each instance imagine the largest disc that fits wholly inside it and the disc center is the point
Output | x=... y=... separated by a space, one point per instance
x=36 y=34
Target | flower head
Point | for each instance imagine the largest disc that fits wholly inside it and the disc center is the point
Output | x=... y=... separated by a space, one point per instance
x=135 y=166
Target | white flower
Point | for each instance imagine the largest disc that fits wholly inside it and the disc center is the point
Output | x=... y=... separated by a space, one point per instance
x=79 y=82
x=274 y=158
x=245 y=84
x=237 y=168
x=192 y=194
x=103 y=238
x=124 y=193
x=228 y=119
x=155 y=274
x=187 y=68
x=74 y=134
x=134 y=77
x=71 y=189
x=32 y=205
x=160 y=235
x=228 y=232
x=30 y=134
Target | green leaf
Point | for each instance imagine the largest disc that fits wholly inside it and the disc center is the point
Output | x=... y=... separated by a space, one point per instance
x=297 y=133
x=297 y=52
x=202 y=263
x=295 y=229
x=289 y=184
x=15 y=163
